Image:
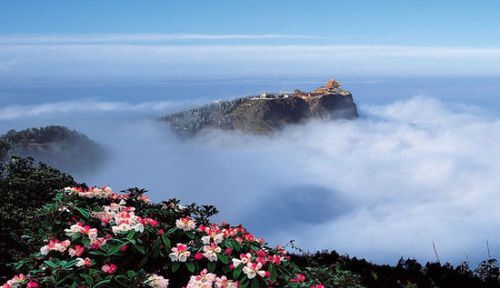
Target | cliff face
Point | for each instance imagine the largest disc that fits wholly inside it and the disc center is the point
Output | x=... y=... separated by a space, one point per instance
x=267 y=112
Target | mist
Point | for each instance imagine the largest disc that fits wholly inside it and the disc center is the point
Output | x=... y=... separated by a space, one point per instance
x=404 y=175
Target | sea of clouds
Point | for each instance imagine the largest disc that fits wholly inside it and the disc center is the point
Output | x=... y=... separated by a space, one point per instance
x=385 y=186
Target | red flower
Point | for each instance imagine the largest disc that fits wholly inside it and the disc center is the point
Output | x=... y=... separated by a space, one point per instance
x=32 y=284
x=299 y=278
x=109 y=268
x=198 y=256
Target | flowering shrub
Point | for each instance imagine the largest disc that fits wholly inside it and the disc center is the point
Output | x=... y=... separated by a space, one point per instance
x=99 y=238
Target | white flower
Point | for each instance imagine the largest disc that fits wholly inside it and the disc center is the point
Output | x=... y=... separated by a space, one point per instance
x=253 y=269
x=44 y=250
x=244 y=259
x=92 y=234
x=179 y=253
x=217 y=238
x=210 y=252
x=205 y=239
x=124 y=227
x=186 y=224
x=73 y=229
x=139 y=227
x=83 y=262
x=204 y=280
x=80 y=263
x=157 y=281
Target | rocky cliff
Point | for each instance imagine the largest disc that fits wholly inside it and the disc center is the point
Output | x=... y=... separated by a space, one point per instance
x=267 y=112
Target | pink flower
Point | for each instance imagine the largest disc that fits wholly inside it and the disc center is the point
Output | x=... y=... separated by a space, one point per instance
x=179 y=253
x=299 y=278
x=210 y=252
x=109 y=268
x=77 y=251
x=55 y=245
x=97 y=243
x=149 y=221
x=254 y=269
x=32 y=284
x=14 y=282
x=198 y=256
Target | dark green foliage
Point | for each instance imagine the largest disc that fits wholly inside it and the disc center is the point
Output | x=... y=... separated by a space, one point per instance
x=407 y=273
x=57 y=146
x=4 y=149
x=24 y=187
x=488 y=270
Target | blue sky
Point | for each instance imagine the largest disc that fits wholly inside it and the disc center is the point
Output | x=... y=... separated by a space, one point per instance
x=220 y=39
x=434 y=23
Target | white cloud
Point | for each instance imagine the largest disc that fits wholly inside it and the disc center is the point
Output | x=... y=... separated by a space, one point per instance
x=13 y=112
x=139 y=38
x=381 y=187
x=171 y=61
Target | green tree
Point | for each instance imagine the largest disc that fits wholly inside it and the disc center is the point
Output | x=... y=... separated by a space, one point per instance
x=24 y=187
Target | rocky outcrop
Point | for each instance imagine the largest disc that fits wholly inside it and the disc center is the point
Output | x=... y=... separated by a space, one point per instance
x=58 y=146
x=267 y=112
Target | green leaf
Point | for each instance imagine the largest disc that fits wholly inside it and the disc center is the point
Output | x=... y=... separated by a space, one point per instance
x=70 y=264
x=175 y=266
x=190 y=266
x=223 y=258
x=131 y=234
x=236 y=245
x=273 y=272
x=244 y=283
x=228 y=244
x=156 y=248
x=144 y=261
x=166 y=241
x=141 y=249
x=211 y=266
x=102 y=282
x=51 y=264
x=64 y=279
x=171 y=230
x=236 y=273
x=88 y=280
x=255 y=283
x=84 y=212
x=131 y=274
x=115 y=249
x=122 y=280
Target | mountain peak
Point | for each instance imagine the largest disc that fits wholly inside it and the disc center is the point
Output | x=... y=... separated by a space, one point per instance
x=267 y=112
